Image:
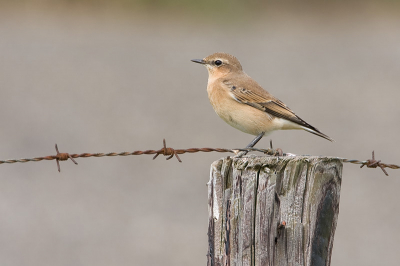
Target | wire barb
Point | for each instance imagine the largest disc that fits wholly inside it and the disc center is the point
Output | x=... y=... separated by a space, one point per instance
x=62 y=157
x=372 y=163
x=167 y=152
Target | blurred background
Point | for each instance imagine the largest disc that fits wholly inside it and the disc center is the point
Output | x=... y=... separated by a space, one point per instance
x=103 y=76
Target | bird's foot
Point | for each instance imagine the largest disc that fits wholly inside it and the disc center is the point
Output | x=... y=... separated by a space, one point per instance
x=239 y=153
x=276 y=152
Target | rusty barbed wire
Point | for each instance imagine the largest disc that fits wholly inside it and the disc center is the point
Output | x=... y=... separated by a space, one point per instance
x=171 y=152
x=372 y=163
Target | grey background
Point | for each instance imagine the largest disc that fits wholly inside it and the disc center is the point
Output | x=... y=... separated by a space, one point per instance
x=102 y=80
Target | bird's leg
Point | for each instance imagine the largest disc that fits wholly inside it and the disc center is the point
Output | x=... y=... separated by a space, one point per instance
x=254 y=141
x=251 y=144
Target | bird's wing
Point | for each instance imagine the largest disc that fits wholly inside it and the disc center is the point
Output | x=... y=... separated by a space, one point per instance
x=257 y=97
x=246 y=91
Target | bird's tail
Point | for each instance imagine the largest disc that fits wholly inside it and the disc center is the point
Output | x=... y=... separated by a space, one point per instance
x=315 y=131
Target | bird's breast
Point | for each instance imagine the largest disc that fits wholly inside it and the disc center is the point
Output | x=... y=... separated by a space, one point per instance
x=240 y=116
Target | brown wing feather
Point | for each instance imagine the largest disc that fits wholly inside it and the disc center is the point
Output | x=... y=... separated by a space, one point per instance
x=264 y=102
x=259 y=98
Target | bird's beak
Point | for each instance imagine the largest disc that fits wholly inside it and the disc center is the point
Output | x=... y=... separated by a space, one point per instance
x=199 y=61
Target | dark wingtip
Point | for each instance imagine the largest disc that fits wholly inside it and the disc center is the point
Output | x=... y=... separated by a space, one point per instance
x=318 y=133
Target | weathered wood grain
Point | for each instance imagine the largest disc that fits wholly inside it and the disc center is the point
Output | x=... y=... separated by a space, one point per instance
x=250 y=199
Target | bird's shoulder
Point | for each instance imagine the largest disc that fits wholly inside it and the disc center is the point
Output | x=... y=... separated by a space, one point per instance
x=247 y=90
x=244 y=85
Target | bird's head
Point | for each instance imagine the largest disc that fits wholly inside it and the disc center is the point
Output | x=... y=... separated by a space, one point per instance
x=220 y=64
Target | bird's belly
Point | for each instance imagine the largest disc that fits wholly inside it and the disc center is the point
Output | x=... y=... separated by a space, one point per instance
x=243 y=117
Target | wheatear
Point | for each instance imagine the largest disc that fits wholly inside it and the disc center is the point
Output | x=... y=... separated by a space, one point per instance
x=244 y=104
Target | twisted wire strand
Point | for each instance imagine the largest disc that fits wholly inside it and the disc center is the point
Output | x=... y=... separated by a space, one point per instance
x=166 y=151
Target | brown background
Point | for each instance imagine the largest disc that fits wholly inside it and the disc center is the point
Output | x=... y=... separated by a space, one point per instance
x=108 y=79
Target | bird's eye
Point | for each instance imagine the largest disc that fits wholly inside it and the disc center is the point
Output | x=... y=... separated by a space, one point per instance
x=218 y=62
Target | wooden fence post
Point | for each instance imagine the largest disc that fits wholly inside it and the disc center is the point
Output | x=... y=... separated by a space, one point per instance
x=273 y=210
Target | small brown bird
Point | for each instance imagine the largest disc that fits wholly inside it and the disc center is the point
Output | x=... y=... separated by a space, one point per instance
x=244 y=104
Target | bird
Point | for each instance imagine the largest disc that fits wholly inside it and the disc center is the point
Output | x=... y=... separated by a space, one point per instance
x=242 y=103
